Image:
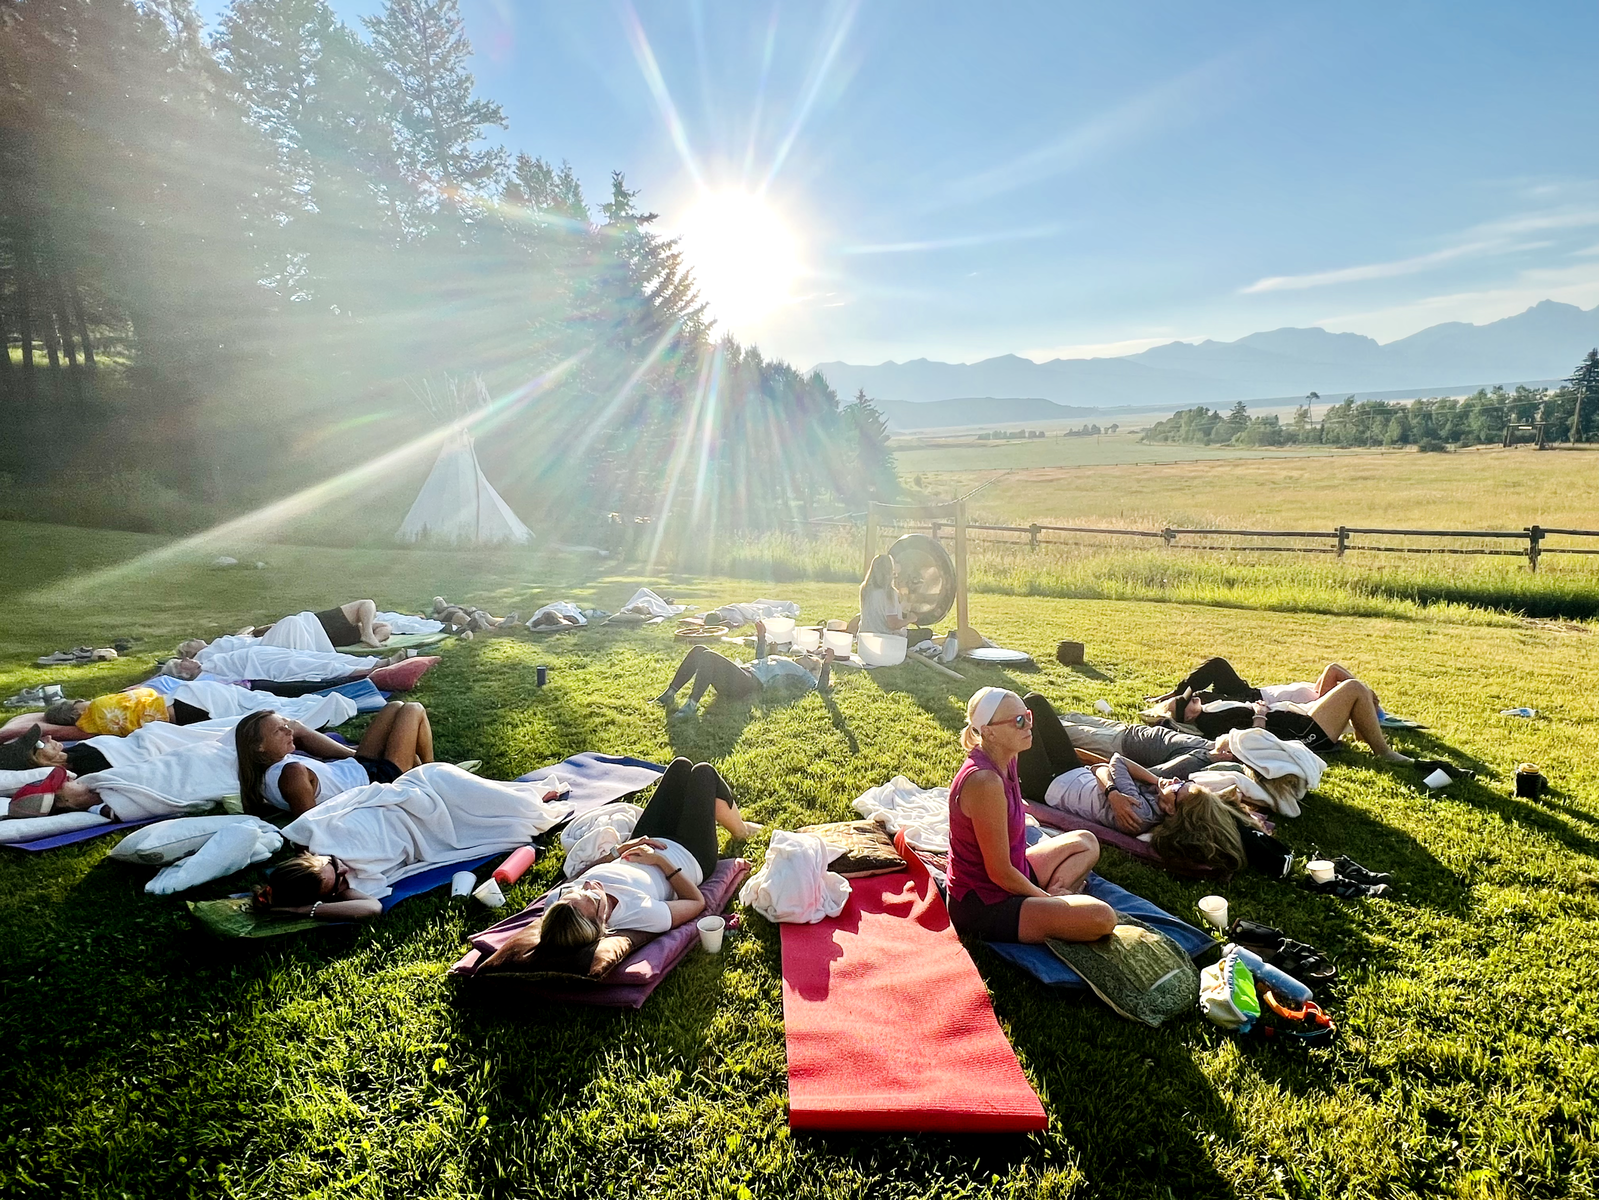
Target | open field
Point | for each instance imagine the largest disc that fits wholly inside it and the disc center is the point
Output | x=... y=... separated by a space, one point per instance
x=921 y=454
x=147 y=1060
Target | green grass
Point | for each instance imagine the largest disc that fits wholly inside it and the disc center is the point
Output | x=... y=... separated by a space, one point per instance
x=147 y=1060
x=919 y=454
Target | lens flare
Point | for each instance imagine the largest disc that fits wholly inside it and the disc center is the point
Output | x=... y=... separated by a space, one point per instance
x=744 y=257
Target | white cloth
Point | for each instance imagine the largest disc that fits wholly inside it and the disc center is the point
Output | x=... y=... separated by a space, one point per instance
x=923 y=813
x=302 y=631
x=185 y=782
x=226 y=700
x=1275 y=759
x=432 y=815
x=26 y=829
x=590 y=838
x=794 y=885
x=1080 y=793
x=158 y=738
x=167 y=841
x=279 y=664
x=1215 y=780
x=877 y=604
x=747 y=613
x=645 y=600
x=561 y=608
x=405 y=623
x=1289 y=693
x=333 y=777
x=641 y=893
x=10 y=781
x=229 y=849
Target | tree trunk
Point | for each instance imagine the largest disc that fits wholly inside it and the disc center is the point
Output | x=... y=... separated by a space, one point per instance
x=58 y=299
x=47 y=327
x=5 y=338
x=24 y=317
x=83 y=325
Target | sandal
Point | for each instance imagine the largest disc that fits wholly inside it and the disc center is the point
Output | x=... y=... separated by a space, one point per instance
x=1305 y=963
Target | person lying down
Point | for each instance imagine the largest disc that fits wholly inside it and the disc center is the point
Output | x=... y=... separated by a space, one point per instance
x=707 y=669
x=358 y=845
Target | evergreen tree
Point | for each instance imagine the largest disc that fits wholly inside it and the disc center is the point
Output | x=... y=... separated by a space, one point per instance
x=875 y=477
x=422 y=44
x=1584 y=384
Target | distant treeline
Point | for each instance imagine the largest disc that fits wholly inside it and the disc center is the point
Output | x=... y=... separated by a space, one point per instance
x=1569 y=414
x=230 y=268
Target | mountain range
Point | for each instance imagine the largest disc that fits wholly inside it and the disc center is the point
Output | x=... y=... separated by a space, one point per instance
x=1544 y=342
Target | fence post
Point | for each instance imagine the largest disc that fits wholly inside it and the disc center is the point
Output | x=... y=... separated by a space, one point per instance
x=1343 y=540
x=1168 y=537
x=935 y=531
x=1032 y=536
x=1534 y=549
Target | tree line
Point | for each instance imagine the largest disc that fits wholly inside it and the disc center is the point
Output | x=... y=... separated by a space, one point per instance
x=1569 y=414
x=230 y=264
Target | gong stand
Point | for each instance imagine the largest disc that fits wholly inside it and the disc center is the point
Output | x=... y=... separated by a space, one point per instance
x=953 y=513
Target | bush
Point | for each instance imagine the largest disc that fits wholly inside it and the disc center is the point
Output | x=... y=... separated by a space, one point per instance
x=1431 y=446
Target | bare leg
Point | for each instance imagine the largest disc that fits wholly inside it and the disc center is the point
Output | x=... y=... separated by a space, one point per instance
x=376 y=737
x=1332 y=675
x=408 y=738
x=1070 y=918
x=360 y=614
x=1352 y=702
x=1062 y=863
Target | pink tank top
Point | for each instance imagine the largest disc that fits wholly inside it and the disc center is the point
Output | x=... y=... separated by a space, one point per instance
x=967 y=873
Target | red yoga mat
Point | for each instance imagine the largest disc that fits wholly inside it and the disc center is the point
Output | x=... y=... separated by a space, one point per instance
x=889 y=1026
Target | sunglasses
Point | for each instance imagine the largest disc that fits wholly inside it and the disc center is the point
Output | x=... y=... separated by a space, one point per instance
x=1021 y=720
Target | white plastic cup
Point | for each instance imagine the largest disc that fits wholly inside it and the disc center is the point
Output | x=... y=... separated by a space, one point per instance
x=1103 y=707
x=1439 y=778
x=489 y=894
x=1320 y=869
x=1214 y=910
x=462 y=883
x=711 y=931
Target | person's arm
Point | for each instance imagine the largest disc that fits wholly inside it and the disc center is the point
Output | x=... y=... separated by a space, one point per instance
x=298 y=786
x=1123 y=811
x=690 y=902
x=320 y=745
x=348 y=905
x=982 y=799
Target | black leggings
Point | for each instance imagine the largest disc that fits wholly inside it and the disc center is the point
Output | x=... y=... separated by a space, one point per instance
x=684 y=809
x=1216 y=676
x=1051 y=753
x=708 y=669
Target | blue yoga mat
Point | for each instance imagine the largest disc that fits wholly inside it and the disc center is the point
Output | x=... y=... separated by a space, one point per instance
x=426 y=881
x=598 y=779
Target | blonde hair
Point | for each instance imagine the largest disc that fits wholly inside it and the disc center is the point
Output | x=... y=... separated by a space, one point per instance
x=879 y=576
x=1203 y=831
x=564 y=927
x=972 y=734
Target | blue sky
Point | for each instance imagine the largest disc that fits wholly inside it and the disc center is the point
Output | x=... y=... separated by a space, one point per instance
x=960 y=181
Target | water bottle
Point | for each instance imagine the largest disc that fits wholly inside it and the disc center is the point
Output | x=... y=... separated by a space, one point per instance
x=1518 y=712
x=1279 y=981
x=509 y=871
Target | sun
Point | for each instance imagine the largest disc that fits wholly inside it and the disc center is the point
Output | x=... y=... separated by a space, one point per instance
x=744 y=257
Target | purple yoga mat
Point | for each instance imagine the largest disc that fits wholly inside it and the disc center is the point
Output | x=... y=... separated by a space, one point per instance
x=83 y=835
x=639 y=974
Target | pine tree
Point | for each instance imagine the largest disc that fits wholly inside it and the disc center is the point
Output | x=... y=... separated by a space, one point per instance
x=1584 y=384
x=439 y=122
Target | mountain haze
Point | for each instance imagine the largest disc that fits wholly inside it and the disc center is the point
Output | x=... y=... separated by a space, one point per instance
x=1545 y=342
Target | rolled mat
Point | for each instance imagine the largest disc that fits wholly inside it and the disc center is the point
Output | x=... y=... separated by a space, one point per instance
x=889 y=1028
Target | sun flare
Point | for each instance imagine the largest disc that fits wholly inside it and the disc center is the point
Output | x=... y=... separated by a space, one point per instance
x=743 y=255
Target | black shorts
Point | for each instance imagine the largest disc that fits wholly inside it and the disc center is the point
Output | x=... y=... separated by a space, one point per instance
x=340 y=629
x=972 y=916
x=84 y=759
x=379 y=770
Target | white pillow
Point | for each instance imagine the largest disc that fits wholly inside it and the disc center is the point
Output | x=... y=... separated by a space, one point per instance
x=25 y=829
x=10 y=781
x=167 y=841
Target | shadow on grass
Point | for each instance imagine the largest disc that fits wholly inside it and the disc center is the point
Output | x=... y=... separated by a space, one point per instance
x=1089 y=671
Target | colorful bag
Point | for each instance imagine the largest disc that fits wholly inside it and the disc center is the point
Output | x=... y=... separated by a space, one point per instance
x=1227 y=995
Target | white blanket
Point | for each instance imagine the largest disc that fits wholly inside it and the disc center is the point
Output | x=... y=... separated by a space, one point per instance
x=794 y=884
x=1288 y=762
x=231 y=848
x=922 y=812
x=185 y=782
x=158 y=738
x=432 y=815
x=561 y=608
x=590 y=838
x=735 y=615
x=302 y=631
x=1220 y=781
x=279 y=664
x=225 y=700
x=645 y=600
x=407 y=624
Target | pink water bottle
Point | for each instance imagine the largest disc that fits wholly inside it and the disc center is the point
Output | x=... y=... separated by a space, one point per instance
x=509 y=871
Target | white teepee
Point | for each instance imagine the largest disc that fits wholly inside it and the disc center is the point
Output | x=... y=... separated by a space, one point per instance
x=457 y=504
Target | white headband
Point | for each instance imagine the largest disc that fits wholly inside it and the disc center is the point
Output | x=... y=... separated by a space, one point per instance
x=984 y=704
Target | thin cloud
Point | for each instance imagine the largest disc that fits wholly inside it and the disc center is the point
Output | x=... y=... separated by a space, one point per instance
x=959 y=242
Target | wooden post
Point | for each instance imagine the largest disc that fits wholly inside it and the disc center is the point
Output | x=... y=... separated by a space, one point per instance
x=1343 y=540
x=1032 y=536
x=871 y=536
x=1168 y=538
x=961 y=606
x=1534 y=549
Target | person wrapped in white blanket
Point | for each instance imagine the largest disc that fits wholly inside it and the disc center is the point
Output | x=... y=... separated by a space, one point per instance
x=358 y=845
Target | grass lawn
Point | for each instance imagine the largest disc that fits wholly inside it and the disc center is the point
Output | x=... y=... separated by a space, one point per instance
x=146 y=1059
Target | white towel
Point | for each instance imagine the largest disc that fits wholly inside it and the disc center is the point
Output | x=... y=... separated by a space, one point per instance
x=647 y=601
x=591 y=837
x=279 y=664
x=433 y=814
x=561 y=608
x=185 y=782
x=302 y=631
x=736 y=615
x=229 y=849
x=405 y=623
x=794 y=884
x=1290 y=763
x=226 y=700
x=923 y=813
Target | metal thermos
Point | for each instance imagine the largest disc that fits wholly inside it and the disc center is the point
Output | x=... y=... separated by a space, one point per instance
x=542 y=674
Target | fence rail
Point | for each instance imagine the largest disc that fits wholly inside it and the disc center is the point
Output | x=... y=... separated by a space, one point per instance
x=1340 y=538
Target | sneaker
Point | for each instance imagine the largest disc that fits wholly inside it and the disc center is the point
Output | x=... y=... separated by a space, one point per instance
x=1348 y=889
x=663 y=699
x=30 y=697
x=685 y=712
x=1348 y=868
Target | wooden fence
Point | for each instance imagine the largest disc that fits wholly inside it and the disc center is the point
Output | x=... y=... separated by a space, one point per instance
x=1345 y=539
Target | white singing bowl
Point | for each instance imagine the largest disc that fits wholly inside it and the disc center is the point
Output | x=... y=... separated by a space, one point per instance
x=839 y=641
x=882 y=649
x=780 y=629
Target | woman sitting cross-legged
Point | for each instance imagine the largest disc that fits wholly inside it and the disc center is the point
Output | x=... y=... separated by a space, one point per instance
x=284 y=765
x=653 y=882
x=1000 y=888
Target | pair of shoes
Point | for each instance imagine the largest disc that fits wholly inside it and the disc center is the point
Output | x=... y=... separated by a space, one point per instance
x=1348 y=868
x=51 y=692
x=64 y=658
x=1347 y=889
x=29 y=697
x=682 y=714
x=1305 y=963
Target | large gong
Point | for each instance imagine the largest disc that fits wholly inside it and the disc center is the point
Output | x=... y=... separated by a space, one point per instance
x=925 y=577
